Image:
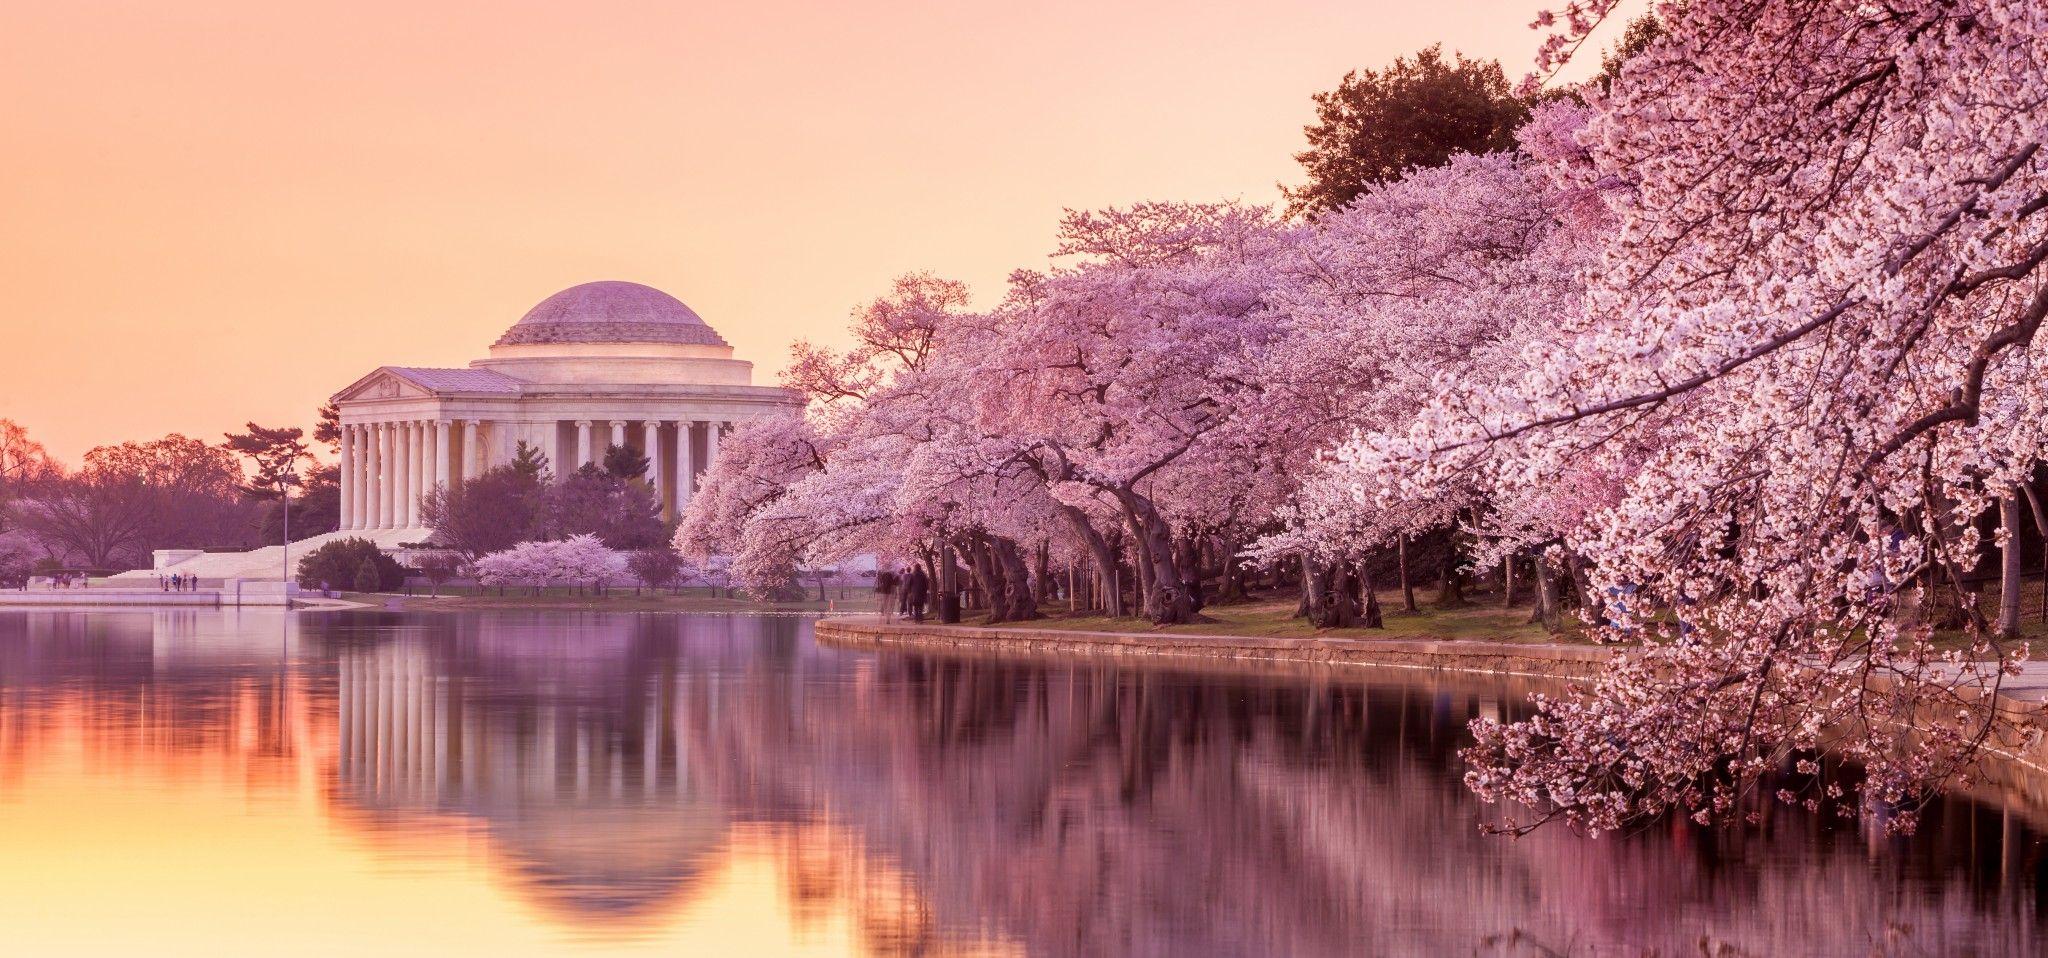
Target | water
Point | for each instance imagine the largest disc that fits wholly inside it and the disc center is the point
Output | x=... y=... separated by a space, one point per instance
x=218 y=782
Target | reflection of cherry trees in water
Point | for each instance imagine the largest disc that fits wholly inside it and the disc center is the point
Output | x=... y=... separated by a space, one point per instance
x=137 y=698
x=613 y=765
x=1097 y=810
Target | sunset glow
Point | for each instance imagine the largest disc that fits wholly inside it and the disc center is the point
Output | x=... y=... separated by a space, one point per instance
x=227 y=211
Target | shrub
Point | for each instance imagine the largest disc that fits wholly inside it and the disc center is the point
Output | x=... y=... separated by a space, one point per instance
x=367 y=579
x=439 y=567
x=338 y=563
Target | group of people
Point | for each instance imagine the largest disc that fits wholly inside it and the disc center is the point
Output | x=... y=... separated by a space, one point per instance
x=916 y=592
x=178 y=582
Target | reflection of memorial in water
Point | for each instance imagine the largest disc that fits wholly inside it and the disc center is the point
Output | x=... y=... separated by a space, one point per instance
x=576 y=774
x=588 y=752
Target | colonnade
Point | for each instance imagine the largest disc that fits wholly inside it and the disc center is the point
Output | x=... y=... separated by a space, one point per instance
x=388 y=468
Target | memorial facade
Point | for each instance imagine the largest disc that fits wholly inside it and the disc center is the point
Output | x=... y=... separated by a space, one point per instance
x=597 y=365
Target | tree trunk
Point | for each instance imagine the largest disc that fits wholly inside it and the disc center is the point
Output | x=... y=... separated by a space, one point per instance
x=1042 y=584
x=1407 y=584
x=948 y=597
x=1343 y=604
x=1232 y=586
x=1315 y=593
x=1595 y=608
x=1143 y=566
x=1450 y=591
x=1188 y=560
x=2011 y=570
x=1304 y=607
x=1507 y=581
x=1370 y=616
x=1105 y=557
x=1546 y=596
x=1022 y=602
x=1165 y=602
x=2040 y=526
x=988 y=576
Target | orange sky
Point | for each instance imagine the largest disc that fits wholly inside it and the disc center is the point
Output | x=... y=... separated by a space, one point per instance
x=222 y=211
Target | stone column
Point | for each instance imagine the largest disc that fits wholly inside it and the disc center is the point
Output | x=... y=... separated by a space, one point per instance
x=618 y=432
x=439 y=474
x=409 y=460
x=396 y=518
x=362 y=476
x=416 y=471
x=582 y=444
x=711 y=443
x=401 y=473
x=551 y=445
x=686 y=466
x=473 y=449
x=653 y=454
x=386 y=446
x=401 y=487
x=348 y=480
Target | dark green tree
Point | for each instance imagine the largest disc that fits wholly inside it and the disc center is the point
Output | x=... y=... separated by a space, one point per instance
x=315 y=510
x=530 y=462
x=275 y=454
x=338 y=564
x=367 y=579
x=1419 y=112
x=1637 y=37
x=328 y=429
x=493 y=511
x=625 y=462
x=590 y=500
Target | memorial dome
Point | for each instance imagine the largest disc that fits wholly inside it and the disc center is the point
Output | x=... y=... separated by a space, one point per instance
x=611 y=311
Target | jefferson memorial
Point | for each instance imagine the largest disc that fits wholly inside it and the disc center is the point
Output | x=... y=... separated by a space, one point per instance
x=597 y=365
x=602 y=364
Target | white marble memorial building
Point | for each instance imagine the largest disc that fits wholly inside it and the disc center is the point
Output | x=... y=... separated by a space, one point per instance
x=596 y=365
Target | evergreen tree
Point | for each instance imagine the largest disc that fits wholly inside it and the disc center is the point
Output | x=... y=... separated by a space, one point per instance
x=625 y=462
x=1378 y=124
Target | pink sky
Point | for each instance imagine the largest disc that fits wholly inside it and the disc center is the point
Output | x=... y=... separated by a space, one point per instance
x=224 y=211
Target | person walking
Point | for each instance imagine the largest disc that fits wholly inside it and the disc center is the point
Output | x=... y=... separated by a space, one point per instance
x=915 y=590
x=885 y=587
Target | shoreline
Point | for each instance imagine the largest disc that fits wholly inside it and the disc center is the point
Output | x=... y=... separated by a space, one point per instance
x=1526 y=660
x=2013 y=772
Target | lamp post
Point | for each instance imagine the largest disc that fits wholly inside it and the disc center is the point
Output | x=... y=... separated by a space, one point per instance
x=285 y=482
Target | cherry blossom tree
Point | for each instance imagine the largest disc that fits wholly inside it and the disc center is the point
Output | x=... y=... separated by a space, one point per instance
x=1117 y=369
x=578 y=559
x=1805 y=364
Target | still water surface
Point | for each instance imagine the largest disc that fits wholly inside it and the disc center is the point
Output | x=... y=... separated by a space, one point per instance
x=225 y=783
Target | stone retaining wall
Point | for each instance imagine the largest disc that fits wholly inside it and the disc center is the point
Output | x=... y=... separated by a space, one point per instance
x=1509 y=658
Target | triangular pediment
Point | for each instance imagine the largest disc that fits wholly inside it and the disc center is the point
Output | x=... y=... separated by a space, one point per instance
x=382 y=384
